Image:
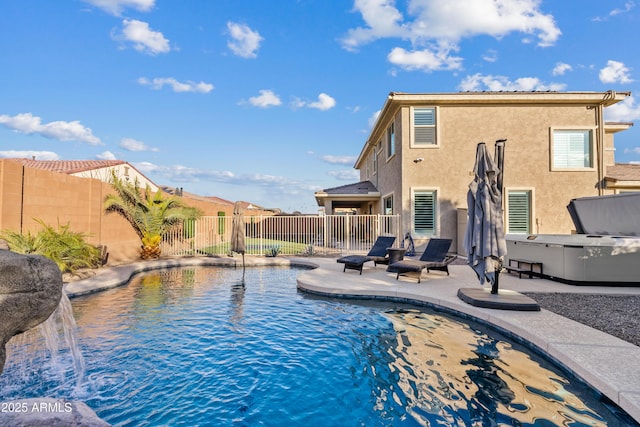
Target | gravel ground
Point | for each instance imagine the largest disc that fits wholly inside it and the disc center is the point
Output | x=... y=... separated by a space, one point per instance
x=617 y=315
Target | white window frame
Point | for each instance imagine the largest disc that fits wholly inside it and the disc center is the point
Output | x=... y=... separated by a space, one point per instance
x=552 y=149
x=376 y=151
x=507 y=209
x=390 y=138
x=436 y=211
x=412 y=127
x=384 y=204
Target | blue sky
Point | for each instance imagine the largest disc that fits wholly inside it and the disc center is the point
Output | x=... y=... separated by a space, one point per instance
x=269 y=101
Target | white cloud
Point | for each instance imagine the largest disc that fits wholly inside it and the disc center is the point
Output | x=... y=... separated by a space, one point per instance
x=478 y=82
x=382 y=19
x=28 y=154
x=297 y=103
x=617 y=11
x=179 y=173
x=188 y=86
x=324 y=102
x=131 y=144
x=451 y=21
x=244 y=41
x=115 y=7
x=424 y=60
x=62 y=131
x=144 y=39
x=625 y=111
x=339 y=160
x=106 y=155
x=490 y=56
x=435 y=28
x=267 y=98
x=346 y=175
x=615 y=72
x=374 y=117
x=561 y=68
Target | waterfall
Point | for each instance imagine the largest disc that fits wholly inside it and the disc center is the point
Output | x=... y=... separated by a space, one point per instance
x=48 y=353
x=62 y=320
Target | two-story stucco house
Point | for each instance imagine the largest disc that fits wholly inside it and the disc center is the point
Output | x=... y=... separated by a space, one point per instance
x=418 y=159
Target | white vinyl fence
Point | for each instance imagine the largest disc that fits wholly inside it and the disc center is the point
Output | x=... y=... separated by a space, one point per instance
x=283 y=235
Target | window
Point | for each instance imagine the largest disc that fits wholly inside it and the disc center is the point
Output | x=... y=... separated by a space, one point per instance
x=424 y=127
x=375 y=161
x=572 y=149
x=388 y=205
x=519 y=211
x=391 y=140
x=424 y=212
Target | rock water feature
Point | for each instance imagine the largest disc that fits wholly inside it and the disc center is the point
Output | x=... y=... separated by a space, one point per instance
x=30 y=290
x=31 y=293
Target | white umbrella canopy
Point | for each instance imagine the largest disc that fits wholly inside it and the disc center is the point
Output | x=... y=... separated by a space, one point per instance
x=238 y=244
x=484 y=240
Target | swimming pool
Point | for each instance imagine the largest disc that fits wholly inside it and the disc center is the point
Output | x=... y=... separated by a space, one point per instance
x=194 y=346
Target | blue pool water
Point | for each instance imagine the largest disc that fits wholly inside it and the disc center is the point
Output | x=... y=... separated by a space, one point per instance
x=195 y=347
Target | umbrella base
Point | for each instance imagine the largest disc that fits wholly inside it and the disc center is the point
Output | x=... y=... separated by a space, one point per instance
x=503 y=300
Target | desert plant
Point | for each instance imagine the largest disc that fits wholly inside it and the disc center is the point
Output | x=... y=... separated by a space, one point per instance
x=273 y=251
x=67 y=248
x=150 y=214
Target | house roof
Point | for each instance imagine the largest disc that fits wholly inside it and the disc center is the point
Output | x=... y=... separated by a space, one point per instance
x=623 y=172
x=219 y=200
x=67 y=166
x=77 y=167
x=363 y=190
x=362 y=187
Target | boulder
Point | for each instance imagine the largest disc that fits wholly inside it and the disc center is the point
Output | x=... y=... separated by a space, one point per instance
x=48 y=412
x=30 y=290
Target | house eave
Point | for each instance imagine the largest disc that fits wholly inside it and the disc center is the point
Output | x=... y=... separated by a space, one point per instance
x=396 y=100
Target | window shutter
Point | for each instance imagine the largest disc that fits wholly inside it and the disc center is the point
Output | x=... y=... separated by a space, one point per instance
x=519 y=211
x=425 y=136
x=424 y=126
x=572 y=149
x=424 y=212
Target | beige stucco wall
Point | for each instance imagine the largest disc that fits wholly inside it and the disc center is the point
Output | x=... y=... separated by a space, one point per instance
x=448 y=167
x=56 y=198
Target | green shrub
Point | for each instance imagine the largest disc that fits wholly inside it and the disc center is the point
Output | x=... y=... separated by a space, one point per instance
x=68 y=249
x=273 y=251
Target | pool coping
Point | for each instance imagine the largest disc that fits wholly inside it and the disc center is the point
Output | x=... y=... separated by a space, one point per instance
x=608 y=364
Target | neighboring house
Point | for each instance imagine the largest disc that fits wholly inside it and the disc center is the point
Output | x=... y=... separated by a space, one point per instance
x=98 y=169
x=418 y=159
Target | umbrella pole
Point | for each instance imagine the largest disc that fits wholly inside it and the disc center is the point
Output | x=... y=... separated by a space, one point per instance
x=494 y=287
x=496 y=283
x=243 y=267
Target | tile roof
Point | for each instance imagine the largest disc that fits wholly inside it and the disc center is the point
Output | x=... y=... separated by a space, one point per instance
x=219 y=200
x=67 y=166
x=623 y=172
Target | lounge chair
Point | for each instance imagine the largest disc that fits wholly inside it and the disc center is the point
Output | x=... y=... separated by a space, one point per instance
x=377 y=254
x=435 y=257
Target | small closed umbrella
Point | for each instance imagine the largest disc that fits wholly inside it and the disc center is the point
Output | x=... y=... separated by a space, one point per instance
x=484 y=240
x=237 y=233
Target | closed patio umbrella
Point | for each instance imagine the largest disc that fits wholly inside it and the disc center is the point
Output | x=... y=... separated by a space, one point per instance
x=484 y=240
x=237 y=234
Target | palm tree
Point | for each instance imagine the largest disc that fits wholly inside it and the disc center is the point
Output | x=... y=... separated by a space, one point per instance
x=150 y=214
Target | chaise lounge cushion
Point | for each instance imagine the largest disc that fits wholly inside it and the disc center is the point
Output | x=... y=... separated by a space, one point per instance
x=377 y=254
x=435 y=257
